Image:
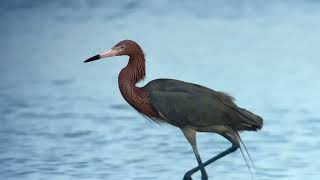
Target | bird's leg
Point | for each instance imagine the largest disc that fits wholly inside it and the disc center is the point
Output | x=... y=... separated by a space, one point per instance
x=204 y=175
x=234 y=147
x=222 y=154
x=190 y=134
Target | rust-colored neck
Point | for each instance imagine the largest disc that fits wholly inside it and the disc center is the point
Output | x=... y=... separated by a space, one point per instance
x=128 y=78
x=136 y=68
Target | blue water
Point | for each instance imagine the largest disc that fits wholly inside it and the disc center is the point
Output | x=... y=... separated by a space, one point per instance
x=61 y=119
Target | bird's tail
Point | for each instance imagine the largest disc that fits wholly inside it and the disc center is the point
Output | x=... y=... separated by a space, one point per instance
x=250 y=121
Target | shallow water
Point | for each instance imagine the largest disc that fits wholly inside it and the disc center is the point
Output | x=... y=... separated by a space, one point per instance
x=62 y=119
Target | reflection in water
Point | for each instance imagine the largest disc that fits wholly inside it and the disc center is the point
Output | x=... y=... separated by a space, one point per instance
x=61 y=119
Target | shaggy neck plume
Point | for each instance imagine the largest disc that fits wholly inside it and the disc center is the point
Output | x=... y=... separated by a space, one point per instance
x=136 y=68
x=130 y=75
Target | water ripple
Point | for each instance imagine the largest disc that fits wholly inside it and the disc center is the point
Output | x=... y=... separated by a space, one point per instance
x=77 y=134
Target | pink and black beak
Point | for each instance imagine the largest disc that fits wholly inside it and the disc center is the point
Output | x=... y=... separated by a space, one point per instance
x=93 y=58
x=109 y=53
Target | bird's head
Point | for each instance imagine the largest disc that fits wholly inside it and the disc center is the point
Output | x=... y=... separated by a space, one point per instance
x=125 y=47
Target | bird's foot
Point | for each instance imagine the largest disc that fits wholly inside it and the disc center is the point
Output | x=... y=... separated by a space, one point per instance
x=204 y=176
x=187 y=177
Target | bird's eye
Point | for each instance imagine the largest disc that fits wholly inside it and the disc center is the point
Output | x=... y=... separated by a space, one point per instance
x=123 y=46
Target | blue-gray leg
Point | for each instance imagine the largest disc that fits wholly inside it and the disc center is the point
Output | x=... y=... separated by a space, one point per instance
x=204 y=175
x=222 y=154
x=235 y=145
x=190 y=134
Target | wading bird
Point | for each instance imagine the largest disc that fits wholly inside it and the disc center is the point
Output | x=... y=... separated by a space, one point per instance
x=190 y=107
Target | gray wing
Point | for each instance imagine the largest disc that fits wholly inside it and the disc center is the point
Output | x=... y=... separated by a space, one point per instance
x=216 y=100
x=171 y=85
x=183 y=108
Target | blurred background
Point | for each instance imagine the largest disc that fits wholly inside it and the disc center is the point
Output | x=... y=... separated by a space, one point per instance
x=62 y=119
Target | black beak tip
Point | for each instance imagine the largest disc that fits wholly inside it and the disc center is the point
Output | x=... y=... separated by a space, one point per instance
x=93 y=58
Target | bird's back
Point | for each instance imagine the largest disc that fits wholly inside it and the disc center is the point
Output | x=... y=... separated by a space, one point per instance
x=185 y=103
x=172 y=85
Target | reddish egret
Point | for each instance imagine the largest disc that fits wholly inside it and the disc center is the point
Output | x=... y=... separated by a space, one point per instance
x=190 y=107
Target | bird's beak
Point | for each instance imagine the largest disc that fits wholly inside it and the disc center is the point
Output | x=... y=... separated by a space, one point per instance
x=109 y=53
